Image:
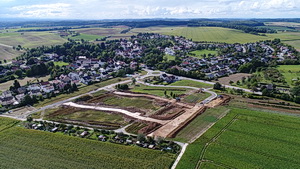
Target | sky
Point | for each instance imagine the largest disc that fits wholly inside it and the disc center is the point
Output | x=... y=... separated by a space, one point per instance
x=135 y=9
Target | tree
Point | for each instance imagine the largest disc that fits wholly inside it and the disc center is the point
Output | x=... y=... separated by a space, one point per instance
x=74 y=87
x=141 y=137
x=297 y=99
x=4 y=60
x=218 y=86
x=19 y=73
x=16 y=84
x=231 y=82
x=295 y=91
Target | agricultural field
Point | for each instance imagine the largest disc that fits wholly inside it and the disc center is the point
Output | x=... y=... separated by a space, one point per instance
x=62 y=151
x=83 y=117
x=200 y=124
x=290 y=72
x=6 y=85
x=8 y=53
x=31 y=39
x=191 y=83
x=87 y=37
x=112 y=33
x=200 y=53
x=218 y=34
x=247 y=139
x=135 y=127
x=6 y=123
x=158 y=91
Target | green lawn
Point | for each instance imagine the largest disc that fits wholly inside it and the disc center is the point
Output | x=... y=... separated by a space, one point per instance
x=290 y=72
x=247 y=139
x=200 y=53
x=170 y=57
x=158 y=91
x=24 y=148
x=191 y=83
x=60 y=63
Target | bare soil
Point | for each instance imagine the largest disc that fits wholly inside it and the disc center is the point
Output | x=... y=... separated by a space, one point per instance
x=234 y=78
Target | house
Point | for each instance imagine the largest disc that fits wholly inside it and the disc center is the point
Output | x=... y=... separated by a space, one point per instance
x=22 y=90
x=169 y=79
x=83 y=134
x=74 y=76
x=86 y=80
x=36 y=92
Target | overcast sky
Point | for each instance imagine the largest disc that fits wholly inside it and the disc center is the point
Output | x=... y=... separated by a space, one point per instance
x=123 y=9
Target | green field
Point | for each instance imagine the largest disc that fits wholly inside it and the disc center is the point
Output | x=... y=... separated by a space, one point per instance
x=290 y=72
x=8 y=53
x=191 y=83
x=200 y=123
x=218 y=34
x=158 y=91
x=60 y=63
x=24 y=148
x=247 y=139
x=200 y=53
x=31 y=39
x=170 y=57
x=86 y=37
x=196 y=97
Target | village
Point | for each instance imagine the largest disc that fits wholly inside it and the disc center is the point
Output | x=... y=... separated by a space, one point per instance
x=129 y=58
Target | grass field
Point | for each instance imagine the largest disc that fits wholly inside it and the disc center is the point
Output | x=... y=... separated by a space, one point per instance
x=24 y=148
x=60 y=63
x=200 y=53
x=199 y=124
x=289 y=72
x=158 y=91
x=170 y=57
x=190 y=83
x=247 y=139
x=112 y=33
x=196 y=97
x=82 y=90
x=86 y=37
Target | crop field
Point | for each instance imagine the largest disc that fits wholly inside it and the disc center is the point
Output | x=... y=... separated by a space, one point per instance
x=86 y=117
x=200 y=53
x=49 y=150
x=8 y=53
x=87 y=37
x=218 y=34
x=6 y=123
x=31 y=39
x=113 y=33
x=158 y=91
x=200 y=123
x=247 y=139
x=290 y=72
x=191 y=83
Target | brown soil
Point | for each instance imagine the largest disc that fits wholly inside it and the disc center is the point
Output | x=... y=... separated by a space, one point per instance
x=234 y=78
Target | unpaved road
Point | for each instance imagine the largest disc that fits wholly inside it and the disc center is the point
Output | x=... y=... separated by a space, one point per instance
x=125 y=112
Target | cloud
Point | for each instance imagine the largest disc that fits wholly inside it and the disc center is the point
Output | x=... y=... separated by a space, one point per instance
x=119 y=9
x=42 y=10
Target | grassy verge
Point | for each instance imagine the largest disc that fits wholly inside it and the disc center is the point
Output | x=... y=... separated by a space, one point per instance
x=158 y=91
x=191 y=83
